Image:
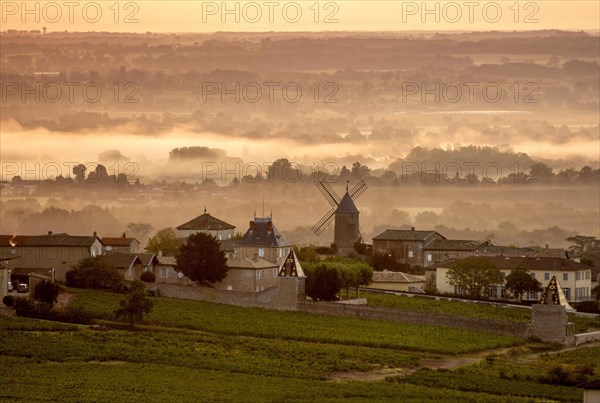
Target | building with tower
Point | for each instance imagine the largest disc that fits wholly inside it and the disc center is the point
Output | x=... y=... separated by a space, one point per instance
x=344 y=214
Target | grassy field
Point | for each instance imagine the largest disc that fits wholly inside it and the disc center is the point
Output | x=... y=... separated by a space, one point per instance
x=298 y=326
x=469 y=309
x=196 y=351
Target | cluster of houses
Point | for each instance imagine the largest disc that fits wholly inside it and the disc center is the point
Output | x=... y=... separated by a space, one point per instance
x=255 y=260
x=431 y=250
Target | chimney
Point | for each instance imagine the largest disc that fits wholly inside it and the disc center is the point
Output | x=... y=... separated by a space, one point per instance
x=251 y=225
x=270 y=226
x=546 y=246
x=95 y=234
x=124 y=236
x=412 y=228
x=49 y=233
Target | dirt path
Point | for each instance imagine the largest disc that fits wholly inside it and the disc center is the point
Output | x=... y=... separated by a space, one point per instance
x=451 y=362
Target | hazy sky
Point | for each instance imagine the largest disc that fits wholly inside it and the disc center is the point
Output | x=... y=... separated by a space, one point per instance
x=259 y=16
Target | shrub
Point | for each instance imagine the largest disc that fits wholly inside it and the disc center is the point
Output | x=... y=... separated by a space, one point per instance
x=148 y=277
x=93 y=272
x=8 y=300
x=27 y=308
x=46 y=291
x=587 y=306
x=72 y=315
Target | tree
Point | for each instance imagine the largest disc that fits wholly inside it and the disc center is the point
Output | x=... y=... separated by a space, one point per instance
x=93 y=272
x=166 y=241
x=135 y=305
x=201 y=259
x=581 y=243
x=46 y=291
x=140 y=229
x=519 y=281
x=474 y=274
x=322 y=283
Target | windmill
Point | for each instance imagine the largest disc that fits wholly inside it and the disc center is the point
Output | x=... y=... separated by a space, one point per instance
x=346 y=227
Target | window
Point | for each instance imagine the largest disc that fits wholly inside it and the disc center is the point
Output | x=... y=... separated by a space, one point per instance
x=261 y=252
x=459 y=289
x=577 y=276
x=533 y=276
x=532 y=295
x=410 y=253
x=565 y=276
x=588 y=275
x=567 y=293
x=274 y=272
x=258 y=274
x=546 y=276
x=429 y=257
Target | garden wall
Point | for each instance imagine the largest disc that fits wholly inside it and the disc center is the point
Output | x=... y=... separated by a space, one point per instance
x=396 y=315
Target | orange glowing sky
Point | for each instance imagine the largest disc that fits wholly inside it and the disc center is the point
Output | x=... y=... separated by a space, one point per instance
x=300 y=15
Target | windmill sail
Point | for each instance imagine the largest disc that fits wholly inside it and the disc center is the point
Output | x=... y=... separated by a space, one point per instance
x=357 y=190
x=320 y=226
x=328 y=192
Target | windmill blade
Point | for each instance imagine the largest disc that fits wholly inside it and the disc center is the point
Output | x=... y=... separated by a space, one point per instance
x=357 y=190
x=320 y=226
x=328 y=193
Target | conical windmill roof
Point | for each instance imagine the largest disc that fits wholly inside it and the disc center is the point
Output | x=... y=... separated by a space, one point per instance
x=554 y=295
x=346 y=206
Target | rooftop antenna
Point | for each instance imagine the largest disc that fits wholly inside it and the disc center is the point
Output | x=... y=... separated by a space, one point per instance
x=263 y=205
x=347 y=183
x=204 y=209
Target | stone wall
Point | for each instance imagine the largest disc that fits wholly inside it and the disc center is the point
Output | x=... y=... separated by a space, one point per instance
x=549 y=323
x=285 y=296
x=396 y=315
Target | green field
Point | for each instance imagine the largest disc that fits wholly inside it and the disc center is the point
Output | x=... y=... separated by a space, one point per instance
x=196 y=351
x=469 y=309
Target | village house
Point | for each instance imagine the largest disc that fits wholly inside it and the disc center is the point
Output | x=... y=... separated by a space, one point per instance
x=245 y=274
x=264 y=240
x=397 y=281
x=121 y=244
x=52 y=251
x=128 y=265
x=441 y=250
x=166 y=273
x=207 y=224
x=407 y=246
x=575 y=278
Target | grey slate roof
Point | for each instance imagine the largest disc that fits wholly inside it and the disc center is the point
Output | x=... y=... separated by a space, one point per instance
x=48 y=240
x=395 y=277
x=528 y=263
x=206 y=222
x=346 y=206
x=404 y=235
x=260 y=235
x=454 y=244
x=121 y=260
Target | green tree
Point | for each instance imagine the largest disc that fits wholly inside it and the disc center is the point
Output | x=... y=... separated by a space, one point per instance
x=322 y=283
x=202 y=260
x=135 y=304
x=93 y=272
x=474 y=275
x=581 y=243
x=166 y=241
x=46 y=291
x=519 y=281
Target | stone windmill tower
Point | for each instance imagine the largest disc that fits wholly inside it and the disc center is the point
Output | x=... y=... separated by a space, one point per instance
x=346 y=226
